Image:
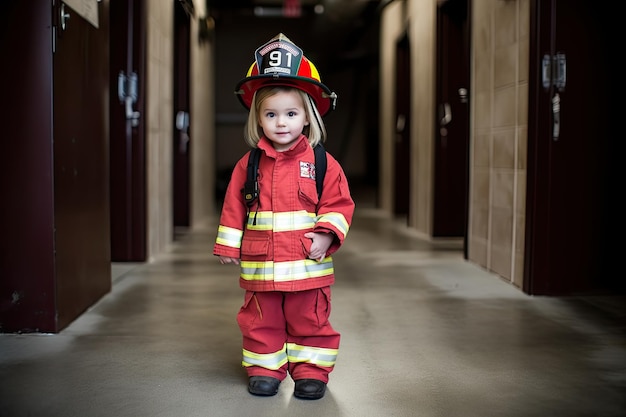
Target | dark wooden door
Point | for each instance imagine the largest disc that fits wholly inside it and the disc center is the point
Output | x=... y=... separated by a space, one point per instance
x=53 y=164
x=452 y=124
x=573 y=129
x=402 y=155
x=27 y=258
x=182 y=140
x=127 y=143
x=81 y=199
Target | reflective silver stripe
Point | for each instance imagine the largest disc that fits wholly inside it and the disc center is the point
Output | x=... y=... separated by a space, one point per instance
x=229 y=236
x=297 y=270
x=316 y=355
x=286 y=271
x=281 y=222
x=266 y=360
x=336 y=219
x=295 y=220
x=257 y=271
x=260 y=220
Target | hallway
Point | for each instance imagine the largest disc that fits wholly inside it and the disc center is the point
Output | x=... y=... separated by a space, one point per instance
x=424 y=333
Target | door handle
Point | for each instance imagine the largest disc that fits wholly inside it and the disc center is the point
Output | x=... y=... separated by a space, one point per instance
x=556 y=116
x=554 y=73
x=132 y=114
x=445 y=114
x=127 y=93
x=64 y=17
x=182 y=124
x=400 y=123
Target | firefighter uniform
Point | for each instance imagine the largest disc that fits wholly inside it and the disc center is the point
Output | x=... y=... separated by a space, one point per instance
x=279 y=336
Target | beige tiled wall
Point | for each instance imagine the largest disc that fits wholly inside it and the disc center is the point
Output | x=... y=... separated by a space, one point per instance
x=418 y=18
x=159 y=120
x=159 y=124
x=498 y=150
x=202 y=128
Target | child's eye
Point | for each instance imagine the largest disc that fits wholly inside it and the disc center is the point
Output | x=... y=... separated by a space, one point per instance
x=269 y=114
x=291 y=114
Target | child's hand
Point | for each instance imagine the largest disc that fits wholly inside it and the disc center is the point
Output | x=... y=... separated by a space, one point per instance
x=228 y=260
x=319 y=246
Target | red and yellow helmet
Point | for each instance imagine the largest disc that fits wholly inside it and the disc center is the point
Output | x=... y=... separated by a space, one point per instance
x=280 y=62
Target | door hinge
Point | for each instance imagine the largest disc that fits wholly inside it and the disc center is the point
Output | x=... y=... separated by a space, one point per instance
x=553 y=71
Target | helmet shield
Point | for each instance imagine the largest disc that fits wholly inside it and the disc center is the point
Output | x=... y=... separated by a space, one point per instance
x=279 y=57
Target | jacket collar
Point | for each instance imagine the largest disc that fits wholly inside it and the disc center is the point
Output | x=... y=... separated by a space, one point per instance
x=297 y=148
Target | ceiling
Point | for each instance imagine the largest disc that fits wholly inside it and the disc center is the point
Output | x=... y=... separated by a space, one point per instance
x=345 y=13
x=342 y=23
x=340 y=8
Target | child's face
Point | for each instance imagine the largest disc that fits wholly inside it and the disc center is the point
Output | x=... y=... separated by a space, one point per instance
x=282 y=118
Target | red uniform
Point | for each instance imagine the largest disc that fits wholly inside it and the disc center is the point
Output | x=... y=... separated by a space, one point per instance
x=284 y=318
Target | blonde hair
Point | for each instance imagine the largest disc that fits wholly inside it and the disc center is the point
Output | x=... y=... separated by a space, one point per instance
x=315 y=131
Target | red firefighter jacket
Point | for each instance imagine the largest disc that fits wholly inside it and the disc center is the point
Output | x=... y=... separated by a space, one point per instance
x=268 y=237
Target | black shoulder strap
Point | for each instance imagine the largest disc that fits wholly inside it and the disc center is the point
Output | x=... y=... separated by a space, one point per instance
x=320 y=167
x=251 y=186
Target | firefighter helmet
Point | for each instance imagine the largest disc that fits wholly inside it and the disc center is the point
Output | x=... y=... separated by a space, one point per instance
x=281 y=62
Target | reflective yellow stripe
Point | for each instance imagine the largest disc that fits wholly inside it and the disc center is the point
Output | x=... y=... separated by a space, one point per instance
x=266 y=360
x=281 y=222
x=318 y=356
x=229 y=236
x=286 y=271
x=336 y=219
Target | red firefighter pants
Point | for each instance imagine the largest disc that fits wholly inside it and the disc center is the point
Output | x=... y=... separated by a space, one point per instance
x=270 y=321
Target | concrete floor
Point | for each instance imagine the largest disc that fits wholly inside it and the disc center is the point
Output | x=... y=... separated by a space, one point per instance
x=424 y=333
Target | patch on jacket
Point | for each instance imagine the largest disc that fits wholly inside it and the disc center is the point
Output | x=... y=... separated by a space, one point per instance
x=307 y=170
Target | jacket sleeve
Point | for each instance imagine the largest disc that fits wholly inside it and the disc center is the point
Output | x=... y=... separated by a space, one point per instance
x=336 y=207
x=233 y=215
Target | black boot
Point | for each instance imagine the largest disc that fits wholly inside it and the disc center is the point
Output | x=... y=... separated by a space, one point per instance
x=309 y=389
x=263 y=385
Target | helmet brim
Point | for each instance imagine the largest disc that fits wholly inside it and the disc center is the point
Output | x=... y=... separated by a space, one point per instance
x=320 y=93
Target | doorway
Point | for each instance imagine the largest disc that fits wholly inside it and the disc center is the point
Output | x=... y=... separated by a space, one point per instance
x=182 y=142
x=450 y=206
x=402 y=149
x=127 y=132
